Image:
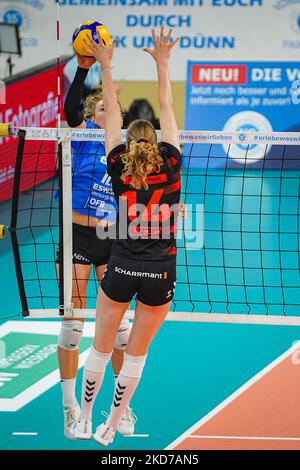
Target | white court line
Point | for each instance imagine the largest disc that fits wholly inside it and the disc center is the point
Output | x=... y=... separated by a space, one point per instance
x=137 y=435
x=7 y=374
x=247 y=438
x=41 y=327
x=24 y=433
x=233 y=396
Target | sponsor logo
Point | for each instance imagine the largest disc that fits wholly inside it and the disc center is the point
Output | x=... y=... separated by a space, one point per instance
x=79 y=257
x=172 y=291
x=39 y=115
x=94 y=135
x=148 y=275
x=103 y=160
x=247 y=121
x=107 y=190
x=150 y=179
x=106 y=180
x=219 y=74
x=16 y=16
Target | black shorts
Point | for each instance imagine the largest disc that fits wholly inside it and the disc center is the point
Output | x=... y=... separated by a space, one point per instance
x=88 y=248
x=152 y=281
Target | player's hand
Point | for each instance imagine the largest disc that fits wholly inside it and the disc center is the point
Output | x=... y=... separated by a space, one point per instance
x=85 y=62
x=101 y=53
x=162 y=46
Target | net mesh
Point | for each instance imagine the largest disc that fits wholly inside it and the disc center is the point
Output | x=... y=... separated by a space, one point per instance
x=238 y=244
x=38 y=223
x=249 y=262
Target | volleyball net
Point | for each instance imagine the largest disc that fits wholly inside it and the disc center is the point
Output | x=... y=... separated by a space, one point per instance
x=238 y=243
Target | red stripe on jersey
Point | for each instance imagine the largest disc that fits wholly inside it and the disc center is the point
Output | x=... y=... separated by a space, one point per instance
x=172 y=251
x=115 y=158
x=173 y=187
x=151 y=179
x=171 y=162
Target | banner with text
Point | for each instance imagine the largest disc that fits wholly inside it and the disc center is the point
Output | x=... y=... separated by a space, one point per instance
x=245 y=97
x=210 y=29
x=31 y=102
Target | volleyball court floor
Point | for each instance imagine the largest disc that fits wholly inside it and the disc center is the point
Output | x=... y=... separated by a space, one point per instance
x=205 y=386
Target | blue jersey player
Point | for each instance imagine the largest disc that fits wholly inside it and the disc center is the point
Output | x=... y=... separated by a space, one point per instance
x=93 y=205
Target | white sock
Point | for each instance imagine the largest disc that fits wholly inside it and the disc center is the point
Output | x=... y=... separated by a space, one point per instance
x=68 y=387
x=94 y=370
x=127 y=383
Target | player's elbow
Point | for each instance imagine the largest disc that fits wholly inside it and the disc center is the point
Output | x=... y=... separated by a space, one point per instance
x=73 y=119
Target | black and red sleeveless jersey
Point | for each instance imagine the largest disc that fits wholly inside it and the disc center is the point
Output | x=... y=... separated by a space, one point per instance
x=147 y=218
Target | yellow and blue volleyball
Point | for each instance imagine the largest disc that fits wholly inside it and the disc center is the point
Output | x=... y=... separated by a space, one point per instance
x=89 y=28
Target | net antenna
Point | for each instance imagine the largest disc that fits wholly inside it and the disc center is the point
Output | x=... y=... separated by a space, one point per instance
x=64 y=159
x=58 y=65
x=10 y=43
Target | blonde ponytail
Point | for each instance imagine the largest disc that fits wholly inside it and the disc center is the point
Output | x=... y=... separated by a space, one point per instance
x=142 y=156
x=141 y=159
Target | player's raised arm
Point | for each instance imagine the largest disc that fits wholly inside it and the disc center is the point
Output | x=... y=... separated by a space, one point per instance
x=161 y=54
x=104 y=55
x=73 y=99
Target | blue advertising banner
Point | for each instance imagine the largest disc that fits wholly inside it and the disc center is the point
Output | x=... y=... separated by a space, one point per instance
x=244 y=97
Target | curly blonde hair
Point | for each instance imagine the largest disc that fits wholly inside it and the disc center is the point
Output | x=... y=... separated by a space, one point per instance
x=90 y=105
x=142 y=156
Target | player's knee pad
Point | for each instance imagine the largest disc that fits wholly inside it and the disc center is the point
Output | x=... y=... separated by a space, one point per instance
x=123 y=334
x=70 y=334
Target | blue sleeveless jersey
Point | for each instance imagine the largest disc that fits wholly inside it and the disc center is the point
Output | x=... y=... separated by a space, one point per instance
x=92 y=192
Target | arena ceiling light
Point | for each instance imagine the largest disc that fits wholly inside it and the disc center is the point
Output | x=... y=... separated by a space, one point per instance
x=9 y=39
x=10 y=43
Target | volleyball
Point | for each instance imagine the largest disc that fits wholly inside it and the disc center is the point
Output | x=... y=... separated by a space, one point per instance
x=90 y=28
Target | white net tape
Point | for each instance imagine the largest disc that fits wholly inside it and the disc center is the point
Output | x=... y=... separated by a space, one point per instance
x=186 y=137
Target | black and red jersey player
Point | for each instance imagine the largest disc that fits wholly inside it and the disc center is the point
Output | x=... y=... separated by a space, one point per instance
x=146 y=182
x=145 y=247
